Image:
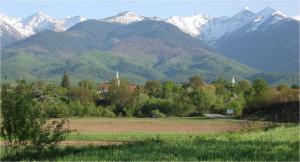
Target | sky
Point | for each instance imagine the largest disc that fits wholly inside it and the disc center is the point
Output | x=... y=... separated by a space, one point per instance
x=98 y=9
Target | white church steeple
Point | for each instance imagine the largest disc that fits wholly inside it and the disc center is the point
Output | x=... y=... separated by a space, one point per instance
x=117 y=78
x=233 y=81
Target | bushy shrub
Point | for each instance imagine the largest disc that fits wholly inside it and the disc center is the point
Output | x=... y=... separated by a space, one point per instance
x=56 y=109
x=162 y=105
x=134 y=108
x=237 y=103
x=89 y=109
x=157 y=114
x=167 y=107
x=24 y=123
x=202 y=100
x=76 y=109
x=107 y=113
x=182 y=109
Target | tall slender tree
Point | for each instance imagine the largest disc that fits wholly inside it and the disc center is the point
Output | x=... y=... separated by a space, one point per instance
x=65 y=80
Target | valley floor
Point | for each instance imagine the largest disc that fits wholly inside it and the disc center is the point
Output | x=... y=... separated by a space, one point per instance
x=181 y=139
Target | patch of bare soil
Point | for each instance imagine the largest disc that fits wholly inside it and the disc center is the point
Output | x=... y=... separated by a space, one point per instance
x=86 y=143
x=116 y=127
x=94 y=143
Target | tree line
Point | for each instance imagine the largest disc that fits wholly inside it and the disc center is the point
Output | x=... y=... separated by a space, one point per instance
x=158 y=99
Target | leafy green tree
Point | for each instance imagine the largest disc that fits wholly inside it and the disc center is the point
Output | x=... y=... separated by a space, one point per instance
x=260 y=86
x=222 y=81
x=221 y=90
x=81 y=94
x=65 y=80
x=120 y=95
x=24 y=125
x=244 y=85
x=294 y=86
x=282 y=87
x=170 y=89
x=153 y=88
x=237 y=103
x=134 y=109
x=86 y=84
x=202 y=100
x=196 y=82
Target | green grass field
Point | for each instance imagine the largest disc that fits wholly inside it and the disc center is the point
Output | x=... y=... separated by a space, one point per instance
x=275 y=144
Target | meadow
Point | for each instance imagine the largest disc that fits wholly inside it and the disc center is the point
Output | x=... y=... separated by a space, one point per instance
x=157 y=140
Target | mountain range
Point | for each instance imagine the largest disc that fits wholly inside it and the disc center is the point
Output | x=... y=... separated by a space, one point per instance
x=41 y=47
x=14 y=29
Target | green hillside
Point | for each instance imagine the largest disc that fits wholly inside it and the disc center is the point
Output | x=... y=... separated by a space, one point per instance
x=101 y=66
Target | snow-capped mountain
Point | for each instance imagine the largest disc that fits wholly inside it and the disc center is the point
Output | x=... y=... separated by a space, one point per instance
x=128 y=17
x=218 y=27
x=40 y=21
x=207 y=28
x=16 y=29
x=8 y=33
x=210 y=29
x=191 y=25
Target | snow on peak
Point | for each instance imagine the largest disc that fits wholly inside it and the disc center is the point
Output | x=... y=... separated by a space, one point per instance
x=297 y=17
x=37 y=19
x=38 y=22
x=279 y=13
x=8 y=19
x=127 y=13
x=7 y=26
x=126 y=17
x=267 y=15
x=206 y=28
x=191 y=24
x=246 y=8
x=41 y=21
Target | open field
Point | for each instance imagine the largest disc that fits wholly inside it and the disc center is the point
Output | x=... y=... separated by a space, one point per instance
x=138 y=129
x=216 y=139
x=152 y=125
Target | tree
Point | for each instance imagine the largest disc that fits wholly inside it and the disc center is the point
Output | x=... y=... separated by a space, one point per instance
x=260 y=86
x=244 y=85
x=237 y=103
x=169 y=88
x=153 y=88
x=85 y=84
x=282 y=87
x=24 y=125
x=202 y=100
x=196 y=82
x=294 y=86
x=81 y=94
x=221 y=80
x=65 y=80
x=120 y=95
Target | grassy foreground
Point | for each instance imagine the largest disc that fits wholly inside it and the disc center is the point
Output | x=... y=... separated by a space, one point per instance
x=277 y=144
